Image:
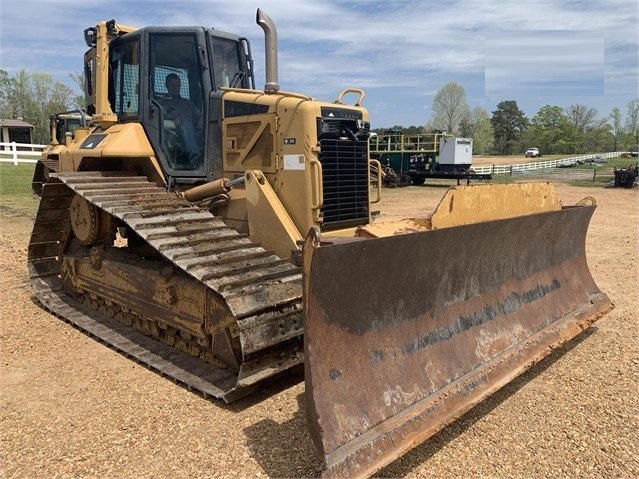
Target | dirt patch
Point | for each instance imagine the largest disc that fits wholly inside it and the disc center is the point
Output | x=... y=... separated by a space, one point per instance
x=503 y=160
x=71 y=407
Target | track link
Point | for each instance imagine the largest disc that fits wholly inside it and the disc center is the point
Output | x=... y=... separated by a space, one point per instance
x=262 y=291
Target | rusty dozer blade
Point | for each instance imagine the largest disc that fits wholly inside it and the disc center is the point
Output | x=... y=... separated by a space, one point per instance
x=406 y=333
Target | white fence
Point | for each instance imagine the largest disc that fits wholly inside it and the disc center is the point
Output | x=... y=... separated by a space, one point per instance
x=18 y=153
x=539 y=165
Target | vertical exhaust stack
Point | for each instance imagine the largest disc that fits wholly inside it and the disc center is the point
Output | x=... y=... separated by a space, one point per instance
x=270 y=44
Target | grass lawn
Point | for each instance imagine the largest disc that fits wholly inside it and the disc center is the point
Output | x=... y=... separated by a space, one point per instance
x=16 y=196
x=603 y=173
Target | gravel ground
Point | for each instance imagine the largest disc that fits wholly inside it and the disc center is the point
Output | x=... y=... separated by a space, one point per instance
x=71 y=407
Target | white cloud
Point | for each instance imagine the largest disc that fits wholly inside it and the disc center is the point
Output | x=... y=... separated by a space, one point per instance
x=550 y=63
x=402 y=49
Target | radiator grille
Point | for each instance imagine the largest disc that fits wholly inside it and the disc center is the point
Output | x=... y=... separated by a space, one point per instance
x=345 y=182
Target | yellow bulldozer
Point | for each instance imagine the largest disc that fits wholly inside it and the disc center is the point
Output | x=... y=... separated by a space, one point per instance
x=223 y=236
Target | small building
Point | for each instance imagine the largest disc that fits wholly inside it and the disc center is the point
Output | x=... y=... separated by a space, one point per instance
x=17 y=131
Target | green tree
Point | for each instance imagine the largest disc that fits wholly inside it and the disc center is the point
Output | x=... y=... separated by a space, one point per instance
x=591 y=133
x=80 y=80
x=632 y=124
x=509 y=123
x=410 y=130
x=582 y=117
x=6 y=86
x=598 y=138
x=34 y=97
x=477 y=126
x=616 y=130
x=449 y=108
x=550 y=130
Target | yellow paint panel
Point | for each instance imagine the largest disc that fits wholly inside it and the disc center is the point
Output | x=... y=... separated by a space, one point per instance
x=126 y=140
x=269 y=223
x=464 y=205
x=381 y=229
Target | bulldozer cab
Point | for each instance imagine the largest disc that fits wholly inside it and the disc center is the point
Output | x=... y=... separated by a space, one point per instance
x=65 y=123
x=169 y=79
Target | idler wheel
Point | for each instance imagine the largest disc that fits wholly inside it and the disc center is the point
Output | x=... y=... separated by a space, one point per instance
x=85 y=220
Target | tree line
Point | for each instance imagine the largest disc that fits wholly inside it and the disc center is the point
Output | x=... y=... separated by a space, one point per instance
x=34 y=97
x=554 y=129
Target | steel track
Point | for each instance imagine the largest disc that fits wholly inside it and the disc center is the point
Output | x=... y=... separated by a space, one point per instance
x=263 y=291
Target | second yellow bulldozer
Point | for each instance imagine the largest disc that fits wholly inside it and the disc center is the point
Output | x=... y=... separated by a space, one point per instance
x=223 y=235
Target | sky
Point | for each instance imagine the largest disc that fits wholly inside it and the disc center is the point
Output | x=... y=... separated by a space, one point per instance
x=400 y=52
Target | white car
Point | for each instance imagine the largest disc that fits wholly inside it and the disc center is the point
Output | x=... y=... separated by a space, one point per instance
x=532 y=153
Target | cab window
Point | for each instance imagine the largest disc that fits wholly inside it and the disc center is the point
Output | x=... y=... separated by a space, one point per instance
x=124 y=91
x=226 y=64
x=176 y=88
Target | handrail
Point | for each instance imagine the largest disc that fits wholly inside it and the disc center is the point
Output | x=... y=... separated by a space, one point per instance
x=380 y=177
x=359 y=91
x=317 y=195
x=405 y=143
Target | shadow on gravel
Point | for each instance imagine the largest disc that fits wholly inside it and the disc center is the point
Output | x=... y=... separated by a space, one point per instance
x=285 y=449
x=193 y=374
x=284 y=455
